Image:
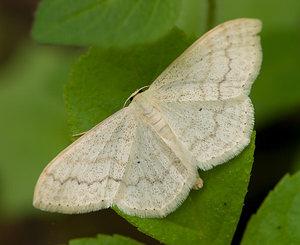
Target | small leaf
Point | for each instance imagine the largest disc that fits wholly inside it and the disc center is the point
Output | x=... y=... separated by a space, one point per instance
x=209 y=215
x=278 y=218
x=105 y=240
x=106 y=23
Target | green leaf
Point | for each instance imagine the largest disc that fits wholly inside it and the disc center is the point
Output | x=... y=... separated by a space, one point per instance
x=100 y=83
x=119 y=23
x=105 y=240
x=278 y=218
x=209 y=215
x=102 y=80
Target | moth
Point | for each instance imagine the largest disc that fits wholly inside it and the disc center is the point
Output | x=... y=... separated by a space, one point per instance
x=145 y=157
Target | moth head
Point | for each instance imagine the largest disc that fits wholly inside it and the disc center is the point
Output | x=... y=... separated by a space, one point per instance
x=133 y=95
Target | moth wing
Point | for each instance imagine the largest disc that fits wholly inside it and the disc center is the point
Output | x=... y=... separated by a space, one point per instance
x=87 y=174
x=212 y=132
x=156 y=180
x=222 y=64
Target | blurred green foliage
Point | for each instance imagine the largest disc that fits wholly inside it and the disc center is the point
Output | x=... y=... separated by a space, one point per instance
x=105 y=240
x=105 y=23
x=33 y=121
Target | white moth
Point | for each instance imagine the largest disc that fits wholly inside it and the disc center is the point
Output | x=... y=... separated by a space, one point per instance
x=144 y=158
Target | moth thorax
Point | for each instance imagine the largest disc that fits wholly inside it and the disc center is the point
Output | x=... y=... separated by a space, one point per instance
x=154 y=118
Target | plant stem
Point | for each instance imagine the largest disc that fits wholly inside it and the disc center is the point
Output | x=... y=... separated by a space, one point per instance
x=211 y=12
